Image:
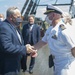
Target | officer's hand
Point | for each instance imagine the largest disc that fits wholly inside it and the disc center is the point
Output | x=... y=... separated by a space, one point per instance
x=34 y=54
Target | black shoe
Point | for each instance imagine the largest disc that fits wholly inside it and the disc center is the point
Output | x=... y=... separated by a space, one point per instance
x=24 y=70
x=30 y=71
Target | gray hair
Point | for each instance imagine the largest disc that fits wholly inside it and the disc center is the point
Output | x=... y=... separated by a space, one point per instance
x=11 y=11
x=31 y=16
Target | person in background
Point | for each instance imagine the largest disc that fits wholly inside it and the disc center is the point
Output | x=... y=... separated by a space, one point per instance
x=31 y=35
x=1 y=17
x=66 y=18
x=41 y=29
x=11 y=43
x=61 y=41
x=40 y=24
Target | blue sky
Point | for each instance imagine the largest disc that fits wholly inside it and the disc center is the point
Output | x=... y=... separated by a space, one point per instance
x=5 y=4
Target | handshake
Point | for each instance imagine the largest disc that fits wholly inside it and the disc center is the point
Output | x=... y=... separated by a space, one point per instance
x=31 y=50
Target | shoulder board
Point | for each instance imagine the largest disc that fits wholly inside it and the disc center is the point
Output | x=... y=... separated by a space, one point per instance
x=62 y=27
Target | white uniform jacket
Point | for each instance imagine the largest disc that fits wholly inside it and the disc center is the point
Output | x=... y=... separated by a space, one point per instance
x=61 y=39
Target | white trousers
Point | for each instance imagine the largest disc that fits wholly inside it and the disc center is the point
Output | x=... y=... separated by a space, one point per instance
x=70 y=70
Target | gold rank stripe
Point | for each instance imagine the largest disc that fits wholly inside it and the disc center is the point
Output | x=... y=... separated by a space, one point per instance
x=49 y=11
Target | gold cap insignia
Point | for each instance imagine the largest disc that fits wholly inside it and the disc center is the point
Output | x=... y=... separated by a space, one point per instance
x=62 y=27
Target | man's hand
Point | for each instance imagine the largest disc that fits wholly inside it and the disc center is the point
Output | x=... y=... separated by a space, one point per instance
x=31 y=50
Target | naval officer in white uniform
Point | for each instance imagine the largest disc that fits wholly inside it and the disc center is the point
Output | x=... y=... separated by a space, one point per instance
x=61 y=41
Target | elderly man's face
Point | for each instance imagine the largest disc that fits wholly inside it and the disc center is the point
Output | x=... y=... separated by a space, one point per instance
x=16 y=15
x=16 y=18
x=31 y=20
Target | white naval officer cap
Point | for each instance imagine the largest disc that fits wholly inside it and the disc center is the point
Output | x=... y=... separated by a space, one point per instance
x=51 y=8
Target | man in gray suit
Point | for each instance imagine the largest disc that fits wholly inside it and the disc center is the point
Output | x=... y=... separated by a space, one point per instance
x=31 y=35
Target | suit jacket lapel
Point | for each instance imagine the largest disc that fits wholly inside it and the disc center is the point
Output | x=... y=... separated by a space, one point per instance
x=33 y=32
x=14 y=30
x=21 y=36
x=33 y=27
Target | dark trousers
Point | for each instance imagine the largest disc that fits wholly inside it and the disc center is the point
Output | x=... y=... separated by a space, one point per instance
x=11 y=73
x=24 y=63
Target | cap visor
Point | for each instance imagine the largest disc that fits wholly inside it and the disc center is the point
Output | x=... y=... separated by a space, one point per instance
x=48 y=11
